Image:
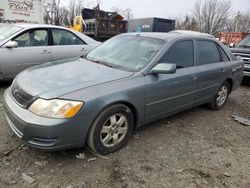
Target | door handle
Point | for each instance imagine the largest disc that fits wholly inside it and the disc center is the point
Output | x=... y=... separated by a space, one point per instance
x=222 y=70
x=194 y=77
x=83 y=49
x=46 y=52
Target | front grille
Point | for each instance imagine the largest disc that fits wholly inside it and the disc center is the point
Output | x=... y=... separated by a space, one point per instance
x=22 y=97
x=245 y=57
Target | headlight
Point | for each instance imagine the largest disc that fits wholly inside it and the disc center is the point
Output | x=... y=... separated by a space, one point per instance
x=55 y=108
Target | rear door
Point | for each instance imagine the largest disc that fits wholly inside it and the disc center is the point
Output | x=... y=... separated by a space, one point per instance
x=66 y=45
x=33 y=49
x=212 y=69
x=168 y=93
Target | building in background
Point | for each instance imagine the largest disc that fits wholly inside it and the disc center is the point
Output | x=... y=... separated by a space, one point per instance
x=28 y=11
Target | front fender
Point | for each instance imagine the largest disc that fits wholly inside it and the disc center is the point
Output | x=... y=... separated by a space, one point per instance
x=97 y=98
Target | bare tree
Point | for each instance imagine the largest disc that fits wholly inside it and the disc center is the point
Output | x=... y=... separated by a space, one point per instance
x=188 y=23
x=93 y=3
x=212 y=15
x=240 y=22
x=52 y=9
x=56 y=14
x=72 y=6
x=126 y=13
x=47 y=15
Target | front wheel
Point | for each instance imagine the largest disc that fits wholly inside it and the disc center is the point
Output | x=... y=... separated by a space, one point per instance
x=111 y=129
x=221 y=97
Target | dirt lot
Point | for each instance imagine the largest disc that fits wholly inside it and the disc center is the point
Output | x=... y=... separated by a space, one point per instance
x=196 y=148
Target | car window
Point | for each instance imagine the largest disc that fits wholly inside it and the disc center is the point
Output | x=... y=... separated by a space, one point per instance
x=207 y=52
x=181 y=54
x=62 y=37
x=224 y=57
x=33 y=38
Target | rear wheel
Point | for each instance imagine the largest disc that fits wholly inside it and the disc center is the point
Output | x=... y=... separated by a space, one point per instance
x=221 y=96
x=111 y=129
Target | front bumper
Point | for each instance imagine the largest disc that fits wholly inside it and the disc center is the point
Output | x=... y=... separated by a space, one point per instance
x=45 y=133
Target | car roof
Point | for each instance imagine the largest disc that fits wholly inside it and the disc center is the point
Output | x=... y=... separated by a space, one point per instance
x=192 y=33
x=170 y=35
x=30 y=25
x=25 y=26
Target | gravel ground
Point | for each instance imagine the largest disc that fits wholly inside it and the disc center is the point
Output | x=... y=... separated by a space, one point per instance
x=196 y=148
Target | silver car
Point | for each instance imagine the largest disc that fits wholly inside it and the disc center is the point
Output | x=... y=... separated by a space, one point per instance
x=26 y=45
x=126 y=82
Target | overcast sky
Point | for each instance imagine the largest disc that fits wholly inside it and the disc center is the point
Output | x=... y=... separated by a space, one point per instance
x=163 y=8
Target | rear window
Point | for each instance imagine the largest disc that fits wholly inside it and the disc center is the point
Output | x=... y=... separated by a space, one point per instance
x=207 y=52
x=64 y=37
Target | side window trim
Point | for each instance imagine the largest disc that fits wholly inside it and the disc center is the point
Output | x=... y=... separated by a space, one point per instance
x=52 y=40
x=29 y=30
x=221 y=50
x=50 y=37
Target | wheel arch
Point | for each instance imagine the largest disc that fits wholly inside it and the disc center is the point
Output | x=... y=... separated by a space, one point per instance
x=122 y=102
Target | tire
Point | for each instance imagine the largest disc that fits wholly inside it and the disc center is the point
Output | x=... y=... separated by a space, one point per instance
x=220 y=97
x=111 y=129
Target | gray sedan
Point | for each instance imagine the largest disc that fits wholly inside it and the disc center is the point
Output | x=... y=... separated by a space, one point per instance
x=26 y=45
x=129 y=80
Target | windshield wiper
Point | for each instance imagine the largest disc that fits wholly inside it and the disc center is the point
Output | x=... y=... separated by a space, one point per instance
x=100 y=62
x=105 y=63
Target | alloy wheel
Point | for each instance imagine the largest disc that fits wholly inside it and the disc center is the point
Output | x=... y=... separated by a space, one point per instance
x=222 y=95
x=114 y=130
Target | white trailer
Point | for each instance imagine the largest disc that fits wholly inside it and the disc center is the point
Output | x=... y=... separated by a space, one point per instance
x=28 y=11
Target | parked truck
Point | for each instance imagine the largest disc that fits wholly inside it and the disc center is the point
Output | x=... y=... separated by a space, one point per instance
x=28 y=11
x=99 y=24
x=242 y=51
x=151 y=25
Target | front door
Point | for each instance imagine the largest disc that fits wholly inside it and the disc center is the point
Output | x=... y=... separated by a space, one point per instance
x=167 y=93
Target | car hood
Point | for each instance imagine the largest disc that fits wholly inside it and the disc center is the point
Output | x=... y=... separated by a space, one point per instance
x=52 y=80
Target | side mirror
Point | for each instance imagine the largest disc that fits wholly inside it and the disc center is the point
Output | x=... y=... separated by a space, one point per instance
x=11 y=44
x=164 y=68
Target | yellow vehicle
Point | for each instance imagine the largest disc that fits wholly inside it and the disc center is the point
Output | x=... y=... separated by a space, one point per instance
x=78 y=24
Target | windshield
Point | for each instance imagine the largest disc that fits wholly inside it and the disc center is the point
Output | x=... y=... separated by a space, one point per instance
x=129 y=53
x=245 y=42
x=7 y=30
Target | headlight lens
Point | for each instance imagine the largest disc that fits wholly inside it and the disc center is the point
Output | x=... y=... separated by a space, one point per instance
x=55 y=108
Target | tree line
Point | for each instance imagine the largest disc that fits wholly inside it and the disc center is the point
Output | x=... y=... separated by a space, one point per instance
x=208 y=16
x=214 y=16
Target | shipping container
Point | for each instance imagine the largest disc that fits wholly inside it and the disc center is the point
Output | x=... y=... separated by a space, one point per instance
x=232 y=38
x=151 y=25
